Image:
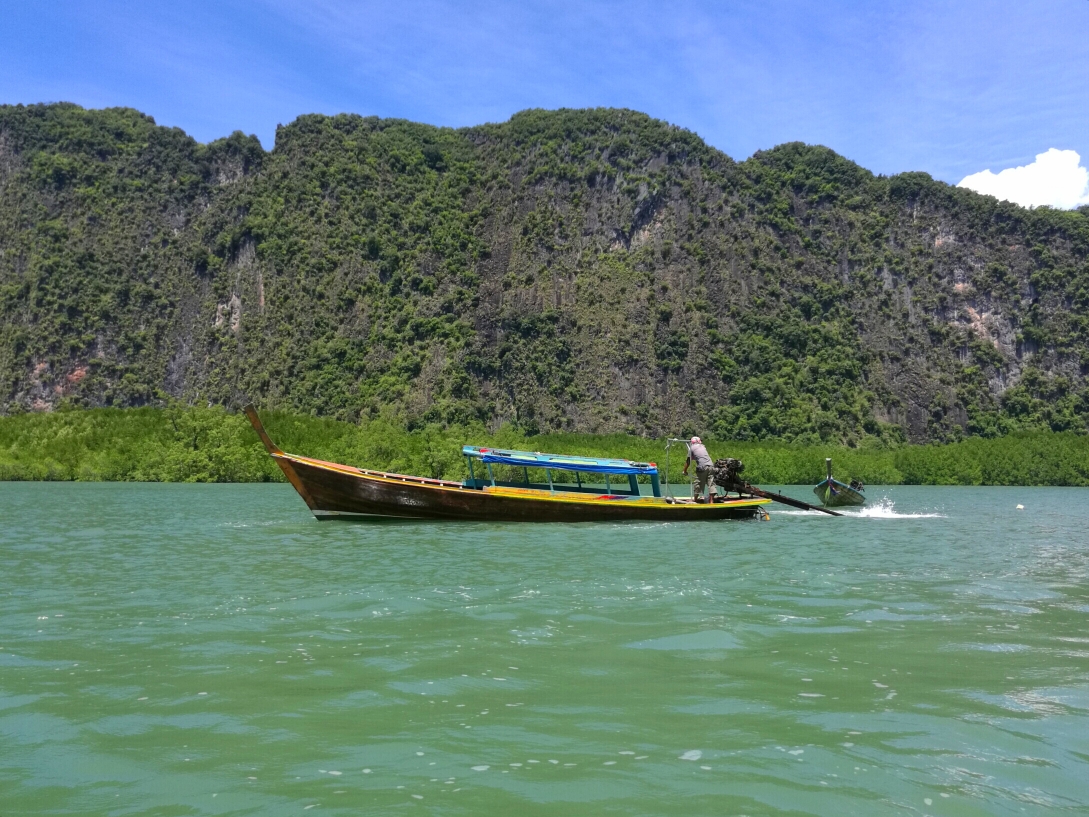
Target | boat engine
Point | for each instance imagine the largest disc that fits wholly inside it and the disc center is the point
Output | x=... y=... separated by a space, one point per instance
x=727 y=474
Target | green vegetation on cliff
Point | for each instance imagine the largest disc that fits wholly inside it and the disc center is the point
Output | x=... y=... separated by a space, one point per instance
x=590 y=271
x=211 y=445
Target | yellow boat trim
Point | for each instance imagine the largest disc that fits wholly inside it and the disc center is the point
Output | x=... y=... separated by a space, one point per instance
x=563 y=496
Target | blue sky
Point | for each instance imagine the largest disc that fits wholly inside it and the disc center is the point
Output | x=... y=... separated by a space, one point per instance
x=948 y=88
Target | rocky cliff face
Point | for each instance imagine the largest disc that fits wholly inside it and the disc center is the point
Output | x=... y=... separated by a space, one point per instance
x=584 y=270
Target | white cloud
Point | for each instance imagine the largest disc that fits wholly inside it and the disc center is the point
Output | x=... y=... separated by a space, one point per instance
x=1056 y=179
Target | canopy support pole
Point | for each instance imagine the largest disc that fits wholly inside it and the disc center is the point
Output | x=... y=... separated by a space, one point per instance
x=491 y=473
x=550 y=487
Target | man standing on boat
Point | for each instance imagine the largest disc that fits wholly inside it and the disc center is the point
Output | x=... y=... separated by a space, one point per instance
x=698 y=452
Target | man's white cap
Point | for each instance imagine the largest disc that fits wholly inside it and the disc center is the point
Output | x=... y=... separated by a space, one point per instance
x=696 y=440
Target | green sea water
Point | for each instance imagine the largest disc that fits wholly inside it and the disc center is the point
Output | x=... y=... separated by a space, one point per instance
x=211 y=649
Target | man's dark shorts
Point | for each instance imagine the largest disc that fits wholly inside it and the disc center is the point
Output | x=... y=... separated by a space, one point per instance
x=703 y=476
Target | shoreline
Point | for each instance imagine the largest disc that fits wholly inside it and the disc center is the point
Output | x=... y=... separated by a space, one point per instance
x=213 y=445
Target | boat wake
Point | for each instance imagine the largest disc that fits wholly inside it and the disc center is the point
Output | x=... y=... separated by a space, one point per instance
x=884 y=508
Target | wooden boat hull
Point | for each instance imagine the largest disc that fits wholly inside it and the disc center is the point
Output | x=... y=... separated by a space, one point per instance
x=333 y=491
x=841 y=496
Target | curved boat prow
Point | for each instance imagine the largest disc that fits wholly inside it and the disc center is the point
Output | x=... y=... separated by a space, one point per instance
x=285 y=461
x=255 y=421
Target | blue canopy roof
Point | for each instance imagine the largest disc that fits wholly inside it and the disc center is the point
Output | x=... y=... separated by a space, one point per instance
x=535 y=459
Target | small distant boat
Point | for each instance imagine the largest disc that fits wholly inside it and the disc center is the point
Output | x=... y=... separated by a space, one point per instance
x=335 y=491
x=834 y=494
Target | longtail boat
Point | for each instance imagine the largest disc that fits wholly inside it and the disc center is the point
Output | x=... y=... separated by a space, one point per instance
x=335 y=491
x=834 y=494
